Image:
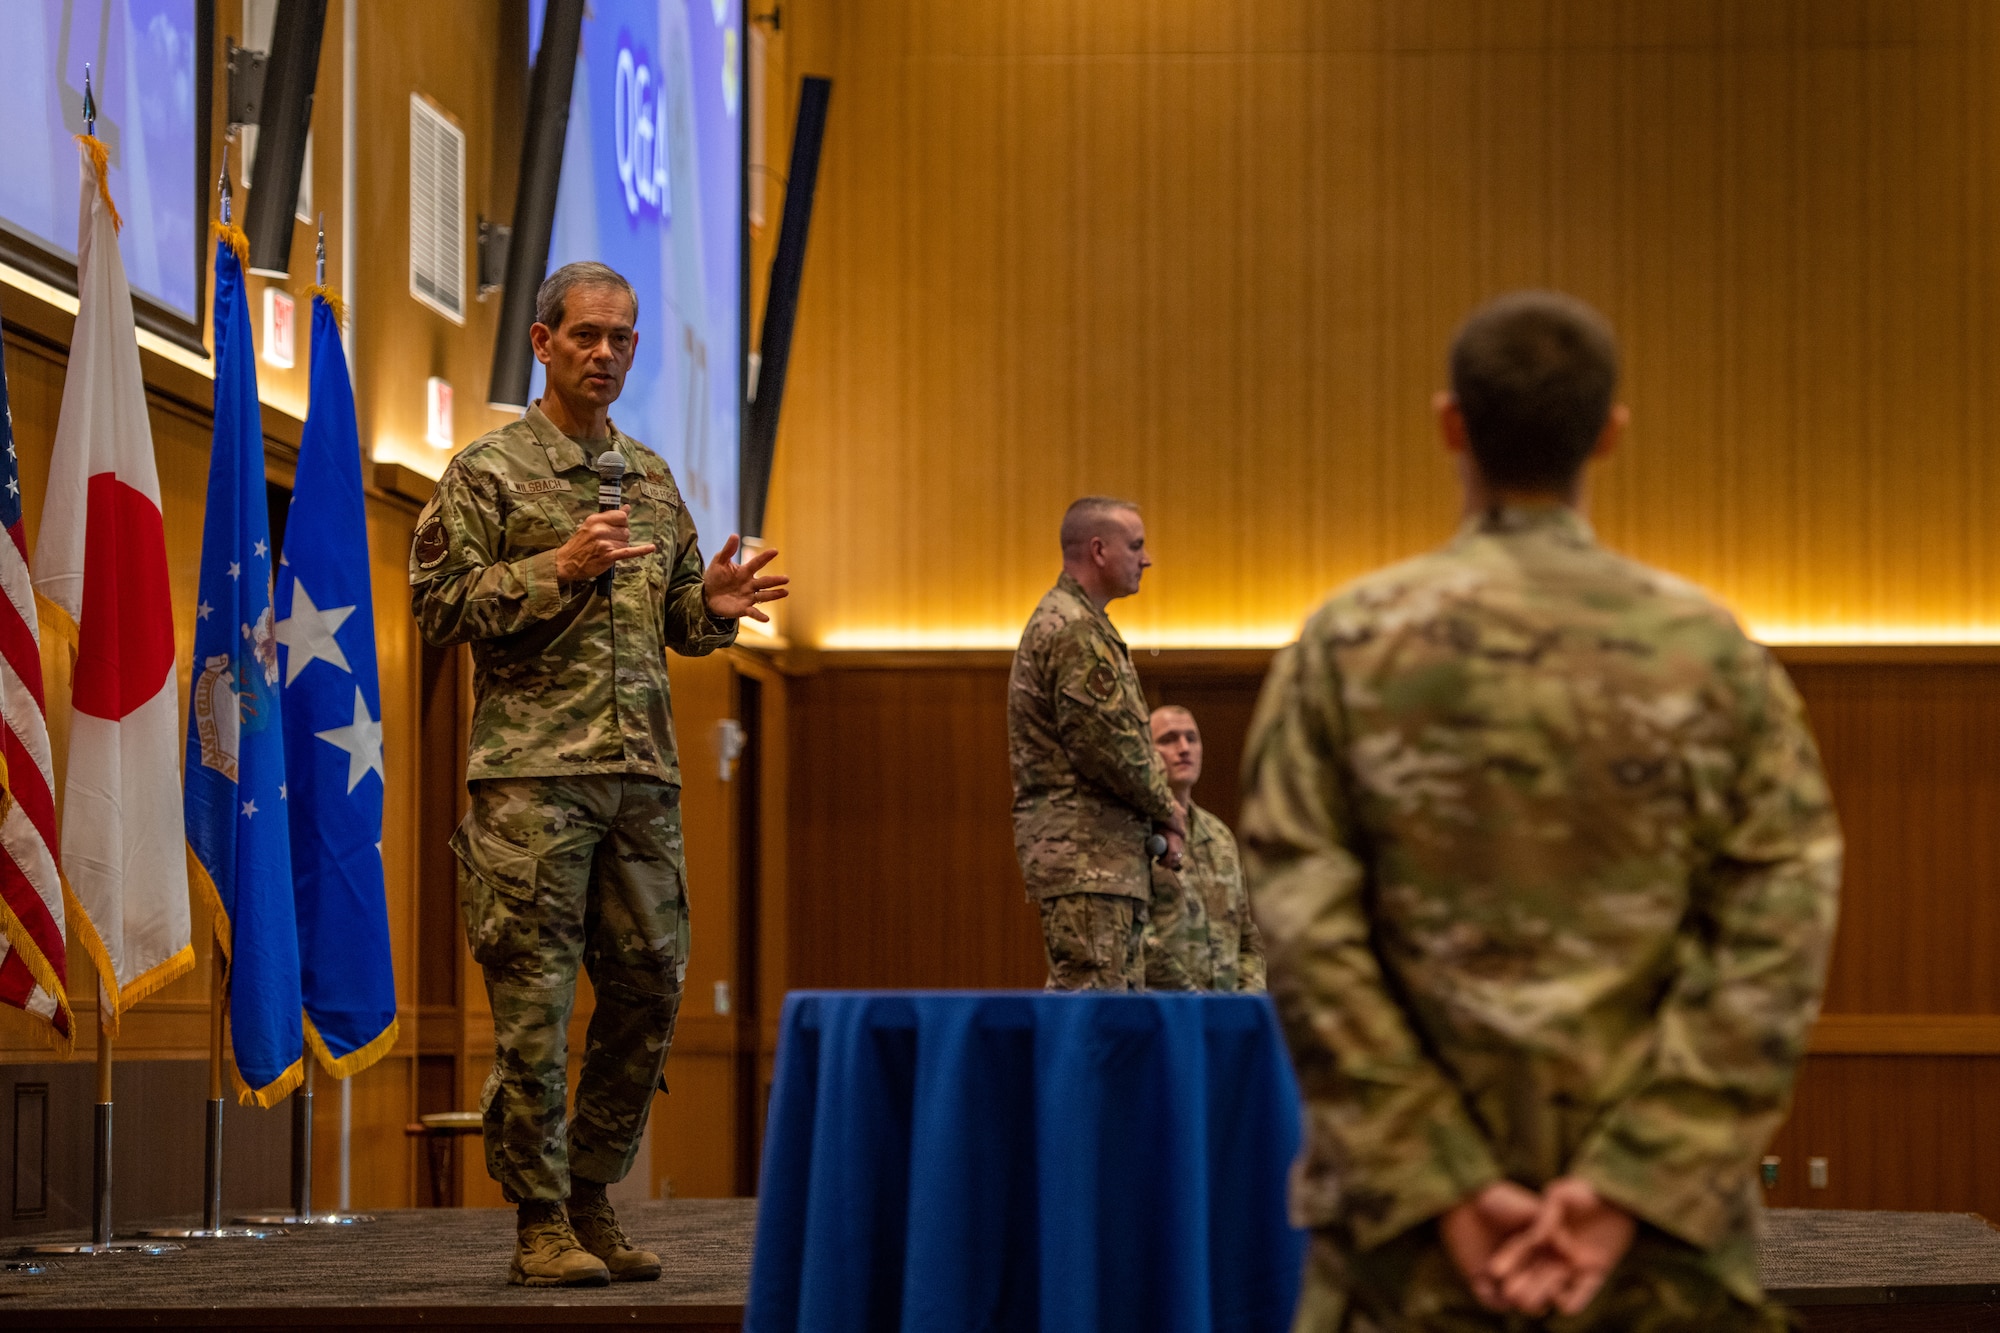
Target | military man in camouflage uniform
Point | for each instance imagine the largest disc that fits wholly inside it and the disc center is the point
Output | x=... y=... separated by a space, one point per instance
x=1200 y=934
x=571 y=853
x=1547 y=869
x=1089 y=791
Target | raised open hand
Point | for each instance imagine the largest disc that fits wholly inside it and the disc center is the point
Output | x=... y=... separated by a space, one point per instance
x=732 y=591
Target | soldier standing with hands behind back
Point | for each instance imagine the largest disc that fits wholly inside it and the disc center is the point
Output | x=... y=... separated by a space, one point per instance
x=1547 y=871
x=571 y=853
x=1089 y=790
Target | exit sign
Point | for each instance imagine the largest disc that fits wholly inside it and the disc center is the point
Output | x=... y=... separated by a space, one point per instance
x=280 y=319
x=437 y=412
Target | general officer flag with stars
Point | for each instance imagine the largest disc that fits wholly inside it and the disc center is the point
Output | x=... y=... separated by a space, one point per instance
x=333 y=728
x=235 y=774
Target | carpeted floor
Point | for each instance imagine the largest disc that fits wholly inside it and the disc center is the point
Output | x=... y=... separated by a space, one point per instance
x=430 y=1266
x=414 y=1258
x=1818 y=1256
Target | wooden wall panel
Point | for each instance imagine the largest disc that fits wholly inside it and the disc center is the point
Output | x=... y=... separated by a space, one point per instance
x=887 y=754
x=1898 y=1131
x=471 y=59
x=695 y=1126
x=902 y=856
x=902 y=785
x=1209 y=256
x=1911 y=753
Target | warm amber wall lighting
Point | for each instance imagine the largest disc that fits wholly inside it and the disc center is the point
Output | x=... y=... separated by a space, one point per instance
x=1841 y=634
x=1006 y=636
x=987 y=637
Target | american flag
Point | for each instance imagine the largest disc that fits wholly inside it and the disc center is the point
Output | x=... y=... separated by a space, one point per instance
x=33 y=970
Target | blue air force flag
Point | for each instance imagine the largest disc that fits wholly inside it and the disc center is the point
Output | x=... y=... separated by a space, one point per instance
x=333 y=729
x=235 y=774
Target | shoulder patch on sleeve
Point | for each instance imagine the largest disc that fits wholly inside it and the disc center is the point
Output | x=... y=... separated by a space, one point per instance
x=1102 y=682
x=432 y=545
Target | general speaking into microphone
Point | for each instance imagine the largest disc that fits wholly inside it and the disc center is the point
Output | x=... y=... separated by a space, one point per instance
x=610 y=496
x=559 y=548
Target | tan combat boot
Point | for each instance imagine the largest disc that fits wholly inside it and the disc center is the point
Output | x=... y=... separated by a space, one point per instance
x=598 y=1231
x=546 y=1253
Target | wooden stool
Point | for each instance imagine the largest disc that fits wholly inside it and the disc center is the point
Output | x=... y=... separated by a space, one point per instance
x=438 y=1131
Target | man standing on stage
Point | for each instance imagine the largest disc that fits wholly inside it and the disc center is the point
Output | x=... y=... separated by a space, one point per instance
x=1201 y=935
x=1547 y=869
x=1089 y=790
x=571 y=853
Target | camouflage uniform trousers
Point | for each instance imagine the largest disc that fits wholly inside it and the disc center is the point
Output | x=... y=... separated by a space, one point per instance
x=1408 y=1285
x=553 y=873
x=1095 y=941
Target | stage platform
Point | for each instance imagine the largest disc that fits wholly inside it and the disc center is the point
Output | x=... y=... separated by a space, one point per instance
x=419 y=1268
x=1866 y=1272
x=1844 y=1272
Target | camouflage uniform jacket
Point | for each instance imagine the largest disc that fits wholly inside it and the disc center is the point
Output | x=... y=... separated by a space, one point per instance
x=557 y=690
x=1088 y=783
x=1547 y=870
x=1201 y=935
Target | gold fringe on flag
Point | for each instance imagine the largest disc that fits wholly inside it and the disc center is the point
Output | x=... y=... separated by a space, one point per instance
x=272 y=1093
x=56 y=623
x=61 y=1037
x=232 y=236
x=346 y=1066
x=100 y=161
x=332 y=299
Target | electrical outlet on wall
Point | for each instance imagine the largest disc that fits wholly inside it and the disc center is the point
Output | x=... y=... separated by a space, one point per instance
x=1816 y=1173
x=721 y=997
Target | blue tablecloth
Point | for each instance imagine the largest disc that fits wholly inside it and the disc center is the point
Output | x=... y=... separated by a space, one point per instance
x=952 y=1162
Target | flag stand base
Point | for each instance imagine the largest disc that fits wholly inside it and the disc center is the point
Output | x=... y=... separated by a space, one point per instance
x=302 y=1214
x=102 y=1247
x=101 y=1241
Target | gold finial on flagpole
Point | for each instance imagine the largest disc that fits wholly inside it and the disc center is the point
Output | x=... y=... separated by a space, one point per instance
x=100 y=156
x=319 y=287
x=226 y=230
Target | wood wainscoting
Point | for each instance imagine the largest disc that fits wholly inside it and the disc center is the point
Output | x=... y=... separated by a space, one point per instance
x=904 y=875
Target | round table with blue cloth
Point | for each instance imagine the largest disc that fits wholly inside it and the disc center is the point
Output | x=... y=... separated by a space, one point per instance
x=968 y=1162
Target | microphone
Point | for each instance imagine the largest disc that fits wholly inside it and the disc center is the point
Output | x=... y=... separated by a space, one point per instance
x=610 y=495
x=1156 y=846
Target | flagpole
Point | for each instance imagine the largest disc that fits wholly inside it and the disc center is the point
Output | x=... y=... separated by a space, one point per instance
x=302 y=1145
x=100 y=1189
x=212 y=1227
x=211 y=1209
x=101 y=1241
x=346 y=1142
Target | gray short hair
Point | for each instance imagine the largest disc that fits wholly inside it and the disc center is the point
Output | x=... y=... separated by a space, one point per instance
x=555 y=289
x=1084 y=519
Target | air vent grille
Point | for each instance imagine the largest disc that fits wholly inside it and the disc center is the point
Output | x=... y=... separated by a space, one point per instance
x=437 y=210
